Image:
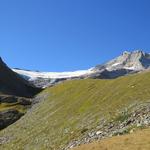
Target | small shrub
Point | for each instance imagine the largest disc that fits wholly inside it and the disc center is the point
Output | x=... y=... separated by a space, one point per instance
x=84 y=130
x=122 y=117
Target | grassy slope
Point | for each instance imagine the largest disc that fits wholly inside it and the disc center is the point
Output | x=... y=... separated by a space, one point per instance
x=73 y=106
x=4 y=106
x=9 y=106
x=137 y=141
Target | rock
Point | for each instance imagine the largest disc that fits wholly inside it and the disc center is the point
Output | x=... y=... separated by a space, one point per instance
x=24 y=101
x=131 y=131
x=128 y=122
x=146 y=122
x=8 y=117
x=91 y=134
x=8 y=99
x=139 y=125
x=110 y=126
x=99 y=132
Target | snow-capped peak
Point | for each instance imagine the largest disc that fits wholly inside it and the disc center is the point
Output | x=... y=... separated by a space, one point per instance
x=128 y=62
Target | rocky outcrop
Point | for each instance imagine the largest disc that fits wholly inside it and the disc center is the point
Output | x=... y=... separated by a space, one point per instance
x=46 y=82
x=105 y=74
x=8 y=117
x=14 y=99
x=8 y=112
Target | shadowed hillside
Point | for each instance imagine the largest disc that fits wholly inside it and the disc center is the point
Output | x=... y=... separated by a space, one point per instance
x=12 y=84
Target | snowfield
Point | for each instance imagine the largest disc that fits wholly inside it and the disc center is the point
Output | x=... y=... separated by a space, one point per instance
x=33 y=75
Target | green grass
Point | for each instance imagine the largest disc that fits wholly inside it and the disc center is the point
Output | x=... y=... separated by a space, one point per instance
x=16 y=106
x=73 y=106
x=121 y=117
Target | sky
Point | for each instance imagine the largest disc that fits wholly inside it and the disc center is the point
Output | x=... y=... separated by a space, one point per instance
x=67 y=35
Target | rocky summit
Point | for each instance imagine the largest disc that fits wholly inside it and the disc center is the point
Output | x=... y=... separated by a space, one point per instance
x=135 y=61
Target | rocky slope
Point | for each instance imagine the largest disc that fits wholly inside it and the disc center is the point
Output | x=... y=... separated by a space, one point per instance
x=127 y=63
x=135 y=141
x=128 y=121
x=81 y=109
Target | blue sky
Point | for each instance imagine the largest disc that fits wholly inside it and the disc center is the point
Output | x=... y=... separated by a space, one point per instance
x=65 y=35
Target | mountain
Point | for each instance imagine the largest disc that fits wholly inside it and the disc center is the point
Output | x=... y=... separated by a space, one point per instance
x=81 y=111
x=15 y=94
x=127 y=63
x=12 y=84
x=136 y=61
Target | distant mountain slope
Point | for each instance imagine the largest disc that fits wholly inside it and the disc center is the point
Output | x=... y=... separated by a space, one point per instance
x=69 y=110
x=127 y=63
x=12 y=84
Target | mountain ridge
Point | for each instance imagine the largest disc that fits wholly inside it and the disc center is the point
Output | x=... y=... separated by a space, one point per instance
x=11 y=83
x=127 y=63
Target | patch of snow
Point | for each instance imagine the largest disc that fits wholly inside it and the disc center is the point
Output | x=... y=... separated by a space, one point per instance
x=116 y=64
x=136 y=67
x=112 y=66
